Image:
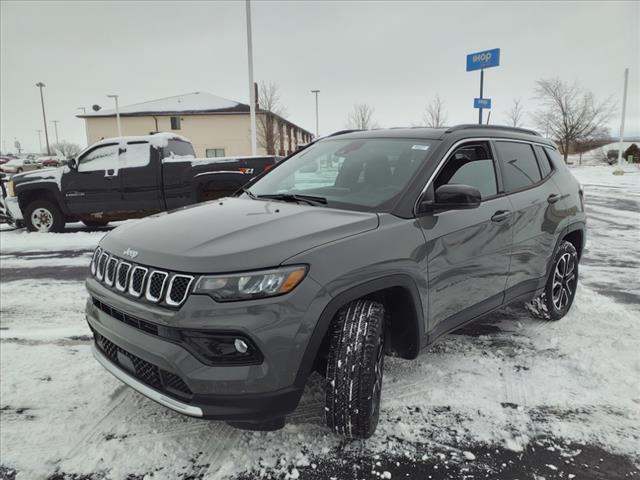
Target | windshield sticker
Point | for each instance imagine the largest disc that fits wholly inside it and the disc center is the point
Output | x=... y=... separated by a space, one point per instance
x=420 y=147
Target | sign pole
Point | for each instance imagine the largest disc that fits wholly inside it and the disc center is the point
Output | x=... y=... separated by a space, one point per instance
x=624 y=111
x=481 y=89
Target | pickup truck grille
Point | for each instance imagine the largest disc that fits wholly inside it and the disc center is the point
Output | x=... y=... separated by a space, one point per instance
x=155 y=286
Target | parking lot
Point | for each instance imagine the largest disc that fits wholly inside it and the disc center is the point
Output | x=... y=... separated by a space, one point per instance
x=509 y=397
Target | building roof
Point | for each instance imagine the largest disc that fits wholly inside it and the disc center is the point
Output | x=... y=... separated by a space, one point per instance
x=195 y=102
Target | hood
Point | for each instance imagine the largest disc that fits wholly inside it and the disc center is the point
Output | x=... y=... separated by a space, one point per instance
x=233 y=234
x=43 y=174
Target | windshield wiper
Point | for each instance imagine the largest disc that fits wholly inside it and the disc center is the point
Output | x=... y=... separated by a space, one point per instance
x=294 y=197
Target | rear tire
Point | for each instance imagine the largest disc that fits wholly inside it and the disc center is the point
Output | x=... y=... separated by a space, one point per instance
x=560 y=289
x=354 y=369
x=95 y=223
x=43 y=216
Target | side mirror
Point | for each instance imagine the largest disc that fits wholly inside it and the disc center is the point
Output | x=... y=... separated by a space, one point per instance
x=72 y=163
x=452 y=197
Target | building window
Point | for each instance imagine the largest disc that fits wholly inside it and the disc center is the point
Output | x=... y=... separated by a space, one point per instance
x=214 y=152
x=175 y=123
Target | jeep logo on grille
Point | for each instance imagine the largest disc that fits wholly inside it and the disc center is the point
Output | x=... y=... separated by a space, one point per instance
x=130 y=253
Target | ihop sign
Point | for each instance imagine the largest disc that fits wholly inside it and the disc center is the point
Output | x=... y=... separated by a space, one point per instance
x=482 y=60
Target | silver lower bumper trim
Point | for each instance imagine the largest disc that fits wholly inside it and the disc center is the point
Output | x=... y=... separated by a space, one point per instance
x=143 y=389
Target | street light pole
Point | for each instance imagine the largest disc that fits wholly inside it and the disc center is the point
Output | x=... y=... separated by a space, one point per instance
x=55 y=126
x=252 y=91
x=624 y=112
x=84 y=112
x=316 y=92
x=115 y=97
x=44 y=116
x=40 y=139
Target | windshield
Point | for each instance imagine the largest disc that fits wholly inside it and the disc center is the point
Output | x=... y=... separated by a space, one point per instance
x=359 y=174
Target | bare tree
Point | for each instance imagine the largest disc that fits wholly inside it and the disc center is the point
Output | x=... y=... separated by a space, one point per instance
x=269 y=118
x=65 y=149
x=515 y=114
x=361 y=117
x=570 y=114
x=434 y=115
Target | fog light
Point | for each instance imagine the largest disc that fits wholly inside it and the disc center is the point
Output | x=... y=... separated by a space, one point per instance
x=241 y=345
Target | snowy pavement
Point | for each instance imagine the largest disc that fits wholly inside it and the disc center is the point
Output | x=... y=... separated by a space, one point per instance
x=509 y=397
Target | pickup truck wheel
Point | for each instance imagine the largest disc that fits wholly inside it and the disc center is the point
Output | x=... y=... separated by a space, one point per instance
x=354 y=369
x=43 y=216
x=95 y=223
x=560 y=289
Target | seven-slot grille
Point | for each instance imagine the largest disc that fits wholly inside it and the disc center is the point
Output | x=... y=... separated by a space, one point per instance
x=156 y=286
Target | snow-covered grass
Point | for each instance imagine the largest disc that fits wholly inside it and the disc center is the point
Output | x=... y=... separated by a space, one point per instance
x=505 y=382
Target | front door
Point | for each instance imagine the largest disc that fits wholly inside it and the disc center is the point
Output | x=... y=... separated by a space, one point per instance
x=93 y=186
x=467 y=250
x=140 y=179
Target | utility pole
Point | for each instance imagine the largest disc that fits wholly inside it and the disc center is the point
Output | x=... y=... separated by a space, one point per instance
x=40 y=139
x=55 y=126
x=316 y=92
x=252 y=93
x=84 y=112
x=115 y=97
x=44 y=116
x=619 y=170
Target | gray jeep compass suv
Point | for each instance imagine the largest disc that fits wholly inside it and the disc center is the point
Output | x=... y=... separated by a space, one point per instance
x=361 y=245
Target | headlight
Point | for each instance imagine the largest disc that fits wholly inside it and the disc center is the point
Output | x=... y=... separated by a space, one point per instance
x=11 y=189
x=250 y=285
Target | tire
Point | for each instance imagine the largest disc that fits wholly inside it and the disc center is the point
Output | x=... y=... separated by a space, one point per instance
x=95 y=223
x=560 y=289
x=354 y=369
x=43 y=216
x=19 y=170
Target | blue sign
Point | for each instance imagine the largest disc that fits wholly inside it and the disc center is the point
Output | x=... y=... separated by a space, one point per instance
x=482 y=103
x=486 y=59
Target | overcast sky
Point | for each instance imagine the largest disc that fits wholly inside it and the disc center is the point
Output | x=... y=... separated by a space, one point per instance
x=394 y=56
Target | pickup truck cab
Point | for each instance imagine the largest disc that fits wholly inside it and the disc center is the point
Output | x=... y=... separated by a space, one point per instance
x=122 y=178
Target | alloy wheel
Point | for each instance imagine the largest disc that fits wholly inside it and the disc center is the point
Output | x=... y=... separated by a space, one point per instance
x=42 y=219
x=564 y=281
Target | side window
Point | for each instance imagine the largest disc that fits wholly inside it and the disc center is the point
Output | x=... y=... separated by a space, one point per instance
x=470 y=165
x=518 y=164
x=102 y=158
x=175 y=123
x=553 y=156
x=136 y=155
x=543 y=161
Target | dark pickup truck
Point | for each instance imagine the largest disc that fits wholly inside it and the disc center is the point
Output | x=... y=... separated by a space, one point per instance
x=122 y=178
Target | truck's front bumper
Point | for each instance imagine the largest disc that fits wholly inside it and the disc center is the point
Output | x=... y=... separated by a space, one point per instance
x=13 y=208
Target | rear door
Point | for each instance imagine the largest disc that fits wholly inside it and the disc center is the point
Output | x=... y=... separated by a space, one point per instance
x=534 y=200
x=140 y=178
x=94 y=185
x=468 y=250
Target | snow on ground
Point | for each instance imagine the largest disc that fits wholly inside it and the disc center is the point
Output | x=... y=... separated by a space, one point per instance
x=546 y=399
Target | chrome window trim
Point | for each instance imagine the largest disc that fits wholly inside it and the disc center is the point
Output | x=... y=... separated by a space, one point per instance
x=122 y=288
x=131 y=290
x=109 y=281
x=148 y=295
x=453 y=147
x=99 y=274
x=168 y=300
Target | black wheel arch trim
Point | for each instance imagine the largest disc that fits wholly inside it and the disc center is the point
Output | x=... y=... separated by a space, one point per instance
x=49 y=187
x=348 y=295
x=573 y=227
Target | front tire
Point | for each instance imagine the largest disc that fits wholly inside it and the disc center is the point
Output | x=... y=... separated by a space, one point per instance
x=560 y=289
x=43 y=216
x=355 y=368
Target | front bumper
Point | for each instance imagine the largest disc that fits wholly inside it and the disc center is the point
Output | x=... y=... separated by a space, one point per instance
x=243 y=393
x=13 y=207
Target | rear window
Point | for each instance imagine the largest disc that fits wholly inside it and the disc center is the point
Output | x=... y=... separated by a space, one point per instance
x=518 y=164
x=543 y=161
x=179 y=149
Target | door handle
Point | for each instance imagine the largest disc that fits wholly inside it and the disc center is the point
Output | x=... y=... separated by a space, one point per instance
x=553 y=198
x=501 y=215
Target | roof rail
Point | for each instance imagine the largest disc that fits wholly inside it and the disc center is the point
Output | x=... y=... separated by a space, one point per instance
x=342 y=132
x=469 y=126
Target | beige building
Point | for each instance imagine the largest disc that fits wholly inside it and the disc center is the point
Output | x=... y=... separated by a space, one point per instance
x=217 y=127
